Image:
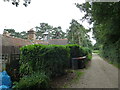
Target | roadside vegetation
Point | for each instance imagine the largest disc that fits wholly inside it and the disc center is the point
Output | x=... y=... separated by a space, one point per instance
x=75 y=79
x=105 y=19
x=96 y=51
x=39 y=64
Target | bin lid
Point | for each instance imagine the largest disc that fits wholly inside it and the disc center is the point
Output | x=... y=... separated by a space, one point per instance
x=80 y=57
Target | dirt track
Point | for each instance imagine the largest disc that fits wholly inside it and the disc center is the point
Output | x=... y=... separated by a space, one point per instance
x=100 y=74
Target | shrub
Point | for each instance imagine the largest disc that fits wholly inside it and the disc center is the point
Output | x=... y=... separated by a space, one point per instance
x=34 y=81
x=52 y=59
x=78 y=51
x=74 y=52
x=87 y=53
x=111 y=52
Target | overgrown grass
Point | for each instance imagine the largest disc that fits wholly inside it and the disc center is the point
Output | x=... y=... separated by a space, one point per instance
x=114 y=64
x=117 y=65
x=111 y=52
x=78 y=74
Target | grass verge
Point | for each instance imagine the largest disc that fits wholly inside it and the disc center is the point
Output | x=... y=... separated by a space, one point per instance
x=114 y=64
x=117 y=65
x=78 y=74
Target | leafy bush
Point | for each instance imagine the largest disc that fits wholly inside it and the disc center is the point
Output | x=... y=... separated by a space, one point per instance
x=74 y=52
x=52 y=59
x=111 y=52
x=87 y=53
x=78 y=51
x=34 y=81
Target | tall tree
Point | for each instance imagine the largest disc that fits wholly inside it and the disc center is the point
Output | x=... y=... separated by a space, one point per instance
x=77 y=34
x=105 y=17
x=54 y=32
x=12 y=32
x=44 y=27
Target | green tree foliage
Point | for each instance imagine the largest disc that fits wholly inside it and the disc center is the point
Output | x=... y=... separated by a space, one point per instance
x=78 y=51
x=106 y=20
x=12 y=32
x=77 y=34
x=54 y=32
x=105 y=17
x=96 y=46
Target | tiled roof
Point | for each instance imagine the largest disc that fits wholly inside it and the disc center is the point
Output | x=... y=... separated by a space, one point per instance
x=58 y=41
x=13 y=41
x=10 y=41
x=40 y=42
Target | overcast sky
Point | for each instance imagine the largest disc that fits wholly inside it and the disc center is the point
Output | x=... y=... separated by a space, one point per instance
x=53 y=12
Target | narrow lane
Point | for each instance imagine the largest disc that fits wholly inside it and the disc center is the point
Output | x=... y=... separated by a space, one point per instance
x=100 y=74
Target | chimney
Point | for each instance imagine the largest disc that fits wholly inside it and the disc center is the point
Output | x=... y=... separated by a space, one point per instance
x=31 y=34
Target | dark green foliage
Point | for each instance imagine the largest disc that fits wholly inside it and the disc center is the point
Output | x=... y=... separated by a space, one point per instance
x=87 y=53
x=74 y=50
x=34 y=81
x=77 y=34
x=78 y=51
x=52 y=59
x=105 y=17
x=112 y=52
x=53 y=32
x=12 y=32
x=106 y=29
x=96 y=46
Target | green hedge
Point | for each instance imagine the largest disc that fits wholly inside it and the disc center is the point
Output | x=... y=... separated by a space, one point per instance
x=111 y=52
x=78 y=51
x=53 y=60
x=88 y=53
x=50 y=59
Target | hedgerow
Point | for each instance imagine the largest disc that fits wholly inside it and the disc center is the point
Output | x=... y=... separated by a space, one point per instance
x=78 y=51
x=53 y=60
x=111 y=52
